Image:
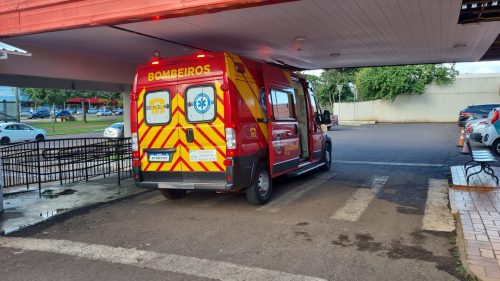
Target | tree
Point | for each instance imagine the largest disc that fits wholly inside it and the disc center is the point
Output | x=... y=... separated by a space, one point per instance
x=48 y=96
x=388 y=82
x=57 y=96
x=325 y=86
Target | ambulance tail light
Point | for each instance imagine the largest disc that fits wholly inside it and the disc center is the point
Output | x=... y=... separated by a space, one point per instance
x=230 y=138
x=135 y=142
x=133 y=94
x=135 y=151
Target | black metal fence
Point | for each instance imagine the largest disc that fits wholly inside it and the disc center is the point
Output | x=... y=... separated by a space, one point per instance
x=65 y=160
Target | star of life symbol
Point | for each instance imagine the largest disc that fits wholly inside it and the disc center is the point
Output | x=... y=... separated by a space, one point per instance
x=201 y=103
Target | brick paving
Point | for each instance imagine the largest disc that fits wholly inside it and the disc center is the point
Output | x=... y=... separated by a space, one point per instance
x=480 y=219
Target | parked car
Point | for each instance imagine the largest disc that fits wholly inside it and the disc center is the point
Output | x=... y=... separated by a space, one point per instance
x=114 y=131
x=118 y=111
x=104 y=112
x=475 y=112
x=492 y=136
x=63 y=113
x=476 y=128
x=92 y=111
x=25 y=113
x=41 y=113
x=16 y=132
x=79 y=111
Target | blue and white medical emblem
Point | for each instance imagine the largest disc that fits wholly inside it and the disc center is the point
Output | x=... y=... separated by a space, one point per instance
x=202 y=103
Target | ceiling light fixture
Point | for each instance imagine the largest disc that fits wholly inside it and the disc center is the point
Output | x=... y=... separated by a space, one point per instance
x=459 y=46
x=300 y=39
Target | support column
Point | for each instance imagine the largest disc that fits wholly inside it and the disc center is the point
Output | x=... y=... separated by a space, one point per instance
x=126 y=114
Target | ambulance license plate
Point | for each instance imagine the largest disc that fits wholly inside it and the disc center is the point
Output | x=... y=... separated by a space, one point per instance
x=159 y=157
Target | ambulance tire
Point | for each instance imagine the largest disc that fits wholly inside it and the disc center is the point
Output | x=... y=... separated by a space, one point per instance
x=327 y=157
x=259 y=192
x=173 y=194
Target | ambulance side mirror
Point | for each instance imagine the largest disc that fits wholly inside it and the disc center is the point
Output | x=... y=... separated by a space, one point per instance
x=326 y=117
x=317 y=118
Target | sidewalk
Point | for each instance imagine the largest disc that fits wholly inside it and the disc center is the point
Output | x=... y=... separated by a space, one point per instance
x=28 y=208
x=480 y=223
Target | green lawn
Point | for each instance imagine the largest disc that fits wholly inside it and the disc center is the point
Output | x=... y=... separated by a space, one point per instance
x=74 y=127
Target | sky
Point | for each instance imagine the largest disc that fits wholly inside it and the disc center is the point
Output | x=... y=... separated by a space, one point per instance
x=462 y=67
x=478 y=67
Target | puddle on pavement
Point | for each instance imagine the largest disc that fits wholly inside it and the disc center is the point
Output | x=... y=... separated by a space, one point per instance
x=50 y=194
x=12 y=215
x=364 y=242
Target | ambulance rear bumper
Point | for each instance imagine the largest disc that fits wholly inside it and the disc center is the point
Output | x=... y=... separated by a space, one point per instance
x=188 y=181
x=187 y=186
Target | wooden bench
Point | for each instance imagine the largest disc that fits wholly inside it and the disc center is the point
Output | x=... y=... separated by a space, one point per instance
x=481 y=158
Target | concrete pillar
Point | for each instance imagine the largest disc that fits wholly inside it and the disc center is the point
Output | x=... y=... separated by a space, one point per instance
x=126 y=114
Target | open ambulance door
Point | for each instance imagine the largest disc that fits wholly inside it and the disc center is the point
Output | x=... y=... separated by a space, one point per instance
x=283 y=126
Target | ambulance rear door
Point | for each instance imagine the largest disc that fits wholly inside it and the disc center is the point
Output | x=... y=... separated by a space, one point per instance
x=158 y=129
x=202 y=128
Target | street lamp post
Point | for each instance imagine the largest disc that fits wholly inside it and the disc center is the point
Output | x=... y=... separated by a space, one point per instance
x=355 y=91
x=339 y=89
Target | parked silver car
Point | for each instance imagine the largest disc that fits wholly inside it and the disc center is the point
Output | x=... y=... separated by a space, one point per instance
x=114 y=131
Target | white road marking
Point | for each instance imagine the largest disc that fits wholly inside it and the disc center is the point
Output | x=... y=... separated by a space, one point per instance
x=359 y=201
x=158 y=261
x=276 y=204
x=154 y=200
x=389 y=163
x=437 y=216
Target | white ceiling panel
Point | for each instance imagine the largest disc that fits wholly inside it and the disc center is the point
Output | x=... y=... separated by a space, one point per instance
x=362 y=33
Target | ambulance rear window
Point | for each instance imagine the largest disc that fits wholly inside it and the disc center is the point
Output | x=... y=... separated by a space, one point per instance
x=200 y=104
x=157 y=107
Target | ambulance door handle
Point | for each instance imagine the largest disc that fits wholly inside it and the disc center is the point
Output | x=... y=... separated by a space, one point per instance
x=190 y=135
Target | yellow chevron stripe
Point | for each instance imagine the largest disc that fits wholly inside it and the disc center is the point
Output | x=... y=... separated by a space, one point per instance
x=204 y=142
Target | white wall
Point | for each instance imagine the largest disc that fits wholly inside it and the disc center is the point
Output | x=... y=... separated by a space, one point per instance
x=437 y=104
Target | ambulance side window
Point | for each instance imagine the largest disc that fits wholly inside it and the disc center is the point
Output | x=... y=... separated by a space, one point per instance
x=283 y=105
x=316 y=110
x=157 y=107
x=314 y=105
x=200 y=104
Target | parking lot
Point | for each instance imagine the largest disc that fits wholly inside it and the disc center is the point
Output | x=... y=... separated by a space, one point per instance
x=360 y=221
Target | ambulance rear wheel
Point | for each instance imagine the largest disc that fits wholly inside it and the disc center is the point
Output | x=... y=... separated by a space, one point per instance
x=173 y=194
x=327 y=157
x=260 y=191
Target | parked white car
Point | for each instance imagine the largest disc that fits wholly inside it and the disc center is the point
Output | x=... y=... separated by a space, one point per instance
x=492 y=136
x=104 y=112
x=114 y=131
x=476 y=129
x=17 y=132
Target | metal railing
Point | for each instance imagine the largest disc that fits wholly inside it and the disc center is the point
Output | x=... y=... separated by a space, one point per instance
x=65 y=160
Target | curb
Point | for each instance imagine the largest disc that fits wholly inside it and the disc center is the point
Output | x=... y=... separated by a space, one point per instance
x=69 y=213
x=357 y=123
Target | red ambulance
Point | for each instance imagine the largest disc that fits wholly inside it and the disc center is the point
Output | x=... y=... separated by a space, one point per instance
x=221 y=122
